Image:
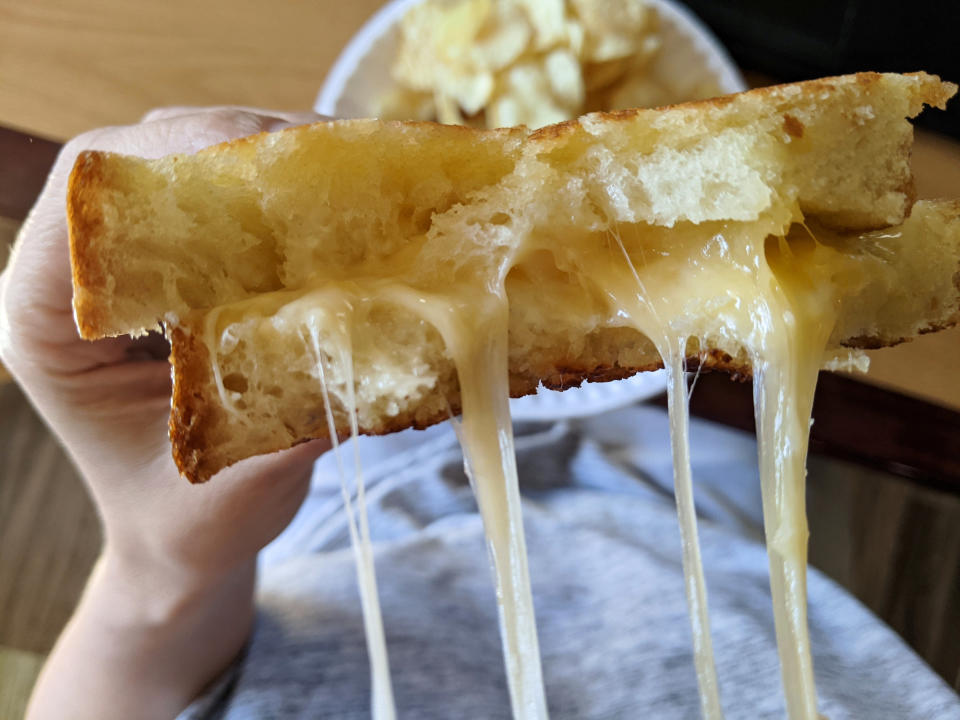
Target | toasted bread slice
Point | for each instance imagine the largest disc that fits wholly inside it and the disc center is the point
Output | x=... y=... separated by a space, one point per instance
x=245 y=251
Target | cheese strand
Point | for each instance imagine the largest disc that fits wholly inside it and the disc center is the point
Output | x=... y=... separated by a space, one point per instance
x=776 y=296
x=782 y=438
x=634 y=301
x=486 y=437
x=381 y=692
x=694 y=583
x=473 y=325
x=798 y=318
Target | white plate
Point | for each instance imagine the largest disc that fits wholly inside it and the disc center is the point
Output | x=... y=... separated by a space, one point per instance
x=589 y=398
x=689 y=55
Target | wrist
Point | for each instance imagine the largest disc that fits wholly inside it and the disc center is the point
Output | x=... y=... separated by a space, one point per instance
x=148 y=594
x=144 y=642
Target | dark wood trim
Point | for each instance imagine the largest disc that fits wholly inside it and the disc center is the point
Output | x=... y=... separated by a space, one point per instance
x=855 y=421
x=25 y=161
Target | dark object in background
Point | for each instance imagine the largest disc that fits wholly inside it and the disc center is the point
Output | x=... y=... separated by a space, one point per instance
x=802 y=40
x=24 y=164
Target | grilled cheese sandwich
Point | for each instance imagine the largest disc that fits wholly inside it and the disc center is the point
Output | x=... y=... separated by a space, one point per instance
x=391 y=274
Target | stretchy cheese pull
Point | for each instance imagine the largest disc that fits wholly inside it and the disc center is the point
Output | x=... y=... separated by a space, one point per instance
x=801 y=316
x=694 y=583
x=474 y=328
x=769 y=287
x=381 y=692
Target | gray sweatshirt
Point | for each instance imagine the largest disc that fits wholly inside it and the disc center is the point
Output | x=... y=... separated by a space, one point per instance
x=605 y=563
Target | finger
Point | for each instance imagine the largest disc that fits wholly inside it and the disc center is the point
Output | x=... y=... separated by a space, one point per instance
x=281 y=116
x=275 y=483
x=267 y=475
x=36 y=299
x=184 y=132
x=266 y=471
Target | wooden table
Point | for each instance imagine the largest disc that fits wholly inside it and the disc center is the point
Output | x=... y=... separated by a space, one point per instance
x=885 y=509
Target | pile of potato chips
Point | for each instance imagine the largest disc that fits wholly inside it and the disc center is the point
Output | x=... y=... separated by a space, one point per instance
x=498 y=63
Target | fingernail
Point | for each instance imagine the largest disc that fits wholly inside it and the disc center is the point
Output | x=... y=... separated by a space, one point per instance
x=295 y=120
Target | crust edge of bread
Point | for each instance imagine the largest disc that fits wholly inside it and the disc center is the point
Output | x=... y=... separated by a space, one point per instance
x=191 y=413
x=933 y=92
x=85 y=222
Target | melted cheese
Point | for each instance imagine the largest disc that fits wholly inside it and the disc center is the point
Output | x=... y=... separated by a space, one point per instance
x=728 y=285
x=646 y=312
x=694 y=585
x=381 y=692
x=475 y=332
x=803 y=311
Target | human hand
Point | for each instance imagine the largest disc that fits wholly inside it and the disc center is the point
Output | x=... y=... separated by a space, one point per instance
x=167 y=544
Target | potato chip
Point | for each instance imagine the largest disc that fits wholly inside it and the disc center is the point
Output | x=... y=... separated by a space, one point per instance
x=447 y=110
x=437 y=39
x=458 y=25
x=609 y=47
x=597 y=76
x=504 y=111
x=602 y=18
x=502 y=40
x=498 y=63
x=573 y=36
x=408 y=104
x=471 y=92
x=547 y=20
x=564 y=78
x=639 y=91
x=614 y=28
x=529 y=84
x=525 y=80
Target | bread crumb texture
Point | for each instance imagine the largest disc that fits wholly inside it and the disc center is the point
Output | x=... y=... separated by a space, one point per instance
x=239 y=243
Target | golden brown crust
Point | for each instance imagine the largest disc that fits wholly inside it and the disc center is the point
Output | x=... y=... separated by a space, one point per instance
x=792 y=126
x=871 y=343
x=85 y=222
x=193 y=413
x=518 y=133
x=933 y=92
x=197 y=416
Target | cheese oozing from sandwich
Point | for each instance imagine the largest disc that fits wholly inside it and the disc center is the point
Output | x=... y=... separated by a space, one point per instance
x=777 y=293
x=388 y=275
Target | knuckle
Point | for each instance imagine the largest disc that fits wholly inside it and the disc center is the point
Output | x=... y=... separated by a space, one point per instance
x=153 y=114
x=231 y=121
x=85 y=141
